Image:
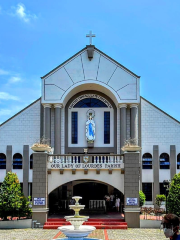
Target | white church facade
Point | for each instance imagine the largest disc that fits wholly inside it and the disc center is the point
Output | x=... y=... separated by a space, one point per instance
x=90 y=105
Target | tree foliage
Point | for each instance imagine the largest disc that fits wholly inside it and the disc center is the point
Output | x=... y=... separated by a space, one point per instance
x=142 y=198
x=173 y=199
x=159 y=199
x=12 y=201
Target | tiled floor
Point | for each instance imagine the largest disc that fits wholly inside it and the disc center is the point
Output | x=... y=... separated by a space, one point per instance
x=40 y=234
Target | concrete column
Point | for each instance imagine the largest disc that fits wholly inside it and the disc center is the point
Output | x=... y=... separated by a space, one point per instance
x=47 y=121
x=39 y=187
x=57 y=128
x=134 y=121
x=9 y=161
x=41 y=121
x=172 y=160
x=123 y=125
x=155 y=173
x=25 y=169
x=131 y=188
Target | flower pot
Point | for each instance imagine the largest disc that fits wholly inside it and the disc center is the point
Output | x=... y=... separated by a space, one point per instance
x=41 y=149
x=13 y=224
x=131 y=148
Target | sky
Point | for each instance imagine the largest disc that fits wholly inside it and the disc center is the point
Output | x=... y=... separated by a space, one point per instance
x=36 y=36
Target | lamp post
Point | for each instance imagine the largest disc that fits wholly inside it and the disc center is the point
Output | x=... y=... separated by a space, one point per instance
x=166 y=185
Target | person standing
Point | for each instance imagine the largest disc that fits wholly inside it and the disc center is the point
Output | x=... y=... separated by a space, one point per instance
x=107 y=199
x=111 y=201
x=171 y=226
x=117 y=203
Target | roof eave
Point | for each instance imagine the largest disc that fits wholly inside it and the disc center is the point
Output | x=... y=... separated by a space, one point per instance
x=98 y=51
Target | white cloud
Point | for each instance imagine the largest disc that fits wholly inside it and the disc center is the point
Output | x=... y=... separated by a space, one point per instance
x=7 y=96
x=4 y=112
x=3 y=72
x=20 y=11
x=14 y=79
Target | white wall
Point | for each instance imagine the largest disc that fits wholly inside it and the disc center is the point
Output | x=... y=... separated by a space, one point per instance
x=100 y=69
x=99 y=121
x=55 y=179
x=158 y=129
x=164 y=174
x=30 y=175
x=2 y=174
x=147 y=175
x=23 y=129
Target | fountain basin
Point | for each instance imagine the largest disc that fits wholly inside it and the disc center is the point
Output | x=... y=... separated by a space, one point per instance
x=76 y=231
x=76 y=221
x=76 y=208
x=82 y=232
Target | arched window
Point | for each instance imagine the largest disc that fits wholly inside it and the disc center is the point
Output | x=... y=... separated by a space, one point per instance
x=17 y=161
x=164 y=161
x=31 y=161
x=147 y=161
x=178 y=161
x=90 y=102
x=2 y=161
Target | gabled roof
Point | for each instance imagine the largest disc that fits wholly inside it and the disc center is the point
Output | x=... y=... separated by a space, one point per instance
x=20 y=111
x=160 y=110
x=82 y=50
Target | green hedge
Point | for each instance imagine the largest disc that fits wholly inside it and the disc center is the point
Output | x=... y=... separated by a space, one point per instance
x=142 y=198
x=173 y=199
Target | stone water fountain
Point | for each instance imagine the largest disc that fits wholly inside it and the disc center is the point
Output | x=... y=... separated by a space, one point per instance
x=76 y=231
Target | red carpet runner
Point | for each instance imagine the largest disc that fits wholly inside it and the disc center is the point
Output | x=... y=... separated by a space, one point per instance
x=54 y=223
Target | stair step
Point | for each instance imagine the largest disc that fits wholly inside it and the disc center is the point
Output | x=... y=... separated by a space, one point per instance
x=105 y=223
x=54 y=223
x=88 y=224
x=89 y=220
x=96 y=226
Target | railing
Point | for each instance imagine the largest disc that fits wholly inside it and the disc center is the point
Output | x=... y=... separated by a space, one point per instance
x=82 y=158
x=97 y=204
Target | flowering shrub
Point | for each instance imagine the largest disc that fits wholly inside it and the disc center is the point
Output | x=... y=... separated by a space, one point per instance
x=12 y=201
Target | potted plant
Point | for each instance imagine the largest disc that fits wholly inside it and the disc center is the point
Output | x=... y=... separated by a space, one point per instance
x=131 y=145
x=42 y=145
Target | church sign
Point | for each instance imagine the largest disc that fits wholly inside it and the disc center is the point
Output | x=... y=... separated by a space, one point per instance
x=55 y=165
x=39 y=201
x=131 y=201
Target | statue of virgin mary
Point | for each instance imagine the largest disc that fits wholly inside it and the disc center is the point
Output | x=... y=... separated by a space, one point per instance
x=90 y=129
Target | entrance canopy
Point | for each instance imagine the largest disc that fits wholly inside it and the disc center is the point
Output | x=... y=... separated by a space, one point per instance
x=116 y=179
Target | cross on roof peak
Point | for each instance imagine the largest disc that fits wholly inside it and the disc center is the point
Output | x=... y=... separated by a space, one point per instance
x=90 y=35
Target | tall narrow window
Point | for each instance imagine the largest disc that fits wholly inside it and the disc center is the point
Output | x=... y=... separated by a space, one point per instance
x=147 y=161
x=74 y=127
x=164 y=161
x=147 y=190
x=31 y=161
x=178 y=161
x=106 y=127
x=17 y=161
x=162 y=188
x=2 y=161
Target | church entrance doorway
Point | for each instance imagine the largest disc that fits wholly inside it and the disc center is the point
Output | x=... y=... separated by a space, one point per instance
x=93 y=197
x=90 y=191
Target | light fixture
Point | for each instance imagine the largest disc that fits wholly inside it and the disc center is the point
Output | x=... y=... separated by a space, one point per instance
x=85 y=150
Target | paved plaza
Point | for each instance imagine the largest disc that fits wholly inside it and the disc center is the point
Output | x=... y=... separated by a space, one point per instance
x=40 y=234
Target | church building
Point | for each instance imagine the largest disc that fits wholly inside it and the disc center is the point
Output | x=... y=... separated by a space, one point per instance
x=89 y=108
